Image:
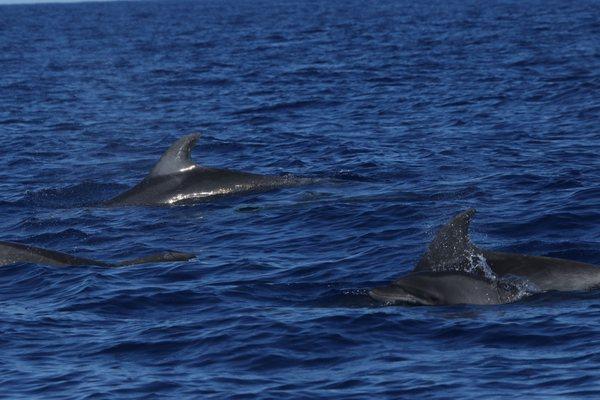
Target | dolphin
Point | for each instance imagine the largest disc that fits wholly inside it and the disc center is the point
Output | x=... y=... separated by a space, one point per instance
x=452 y=249
x=13 y=253
x=176 y=178
x=455 y=271
x=442 y=288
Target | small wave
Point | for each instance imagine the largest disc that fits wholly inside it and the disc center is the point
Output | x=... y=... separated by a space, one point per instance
x=192 y=82
x=347 y=175
x=80 y=195
x=286 y=106
x=61 y=236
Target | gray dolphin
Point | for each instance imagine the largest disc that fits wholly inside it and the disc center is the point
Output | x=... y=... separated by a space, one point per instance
x=176 y=178
x=452 y=249
x=12 y=253
x=455 y=271
x=442 y=288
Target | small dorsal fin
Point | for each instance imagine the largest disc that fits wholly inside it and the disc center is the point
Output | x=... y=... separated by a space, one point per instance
x=451 y=244
x=177 y=158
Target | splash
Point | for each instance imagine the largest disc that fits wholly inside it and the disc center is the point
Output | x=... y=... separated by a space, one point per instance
x=516 y=287
x=511 y=287
x=478 y=265
x=471 y=262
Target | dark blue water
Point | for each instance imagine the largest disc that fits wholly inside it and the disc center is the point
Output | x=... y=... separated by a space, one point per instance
x=413 y=112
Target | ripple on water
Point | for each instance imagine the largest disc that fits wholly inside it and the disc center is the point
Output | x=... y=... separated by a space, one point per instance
x=405 y=114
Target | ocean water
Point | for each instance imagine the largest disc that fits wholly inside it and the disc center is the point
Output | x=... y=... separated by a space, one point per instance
x=408 y=112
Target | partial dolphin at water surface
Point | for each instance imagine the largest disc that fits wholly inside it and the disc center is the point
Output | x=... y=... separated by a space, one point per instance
x=177 y=179
x=13 y=253
x=441 y=288
x=455 y=271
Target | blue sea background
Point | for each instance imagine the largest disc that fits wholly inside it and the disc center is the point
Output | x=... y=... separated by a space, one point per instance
x=409 y=113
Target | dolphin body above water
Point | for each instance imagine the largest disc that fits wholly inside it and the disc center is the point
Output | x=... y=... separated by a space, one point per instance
x=442 y=288
x=455 y=271
x=13 y=253
x=452 y=248
x=177 y=179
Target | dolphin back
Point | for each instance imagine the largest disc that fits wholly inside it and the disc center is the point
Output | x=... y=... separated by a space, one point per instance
x=166 y=256
x=12 y=253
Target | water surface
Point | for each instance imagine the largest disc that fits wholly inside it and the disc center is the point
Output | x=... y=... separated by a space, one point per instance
x=416 y=111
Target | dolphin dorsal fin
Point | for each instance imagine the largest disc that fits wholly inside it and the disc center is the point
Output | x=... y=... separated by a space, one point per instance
x=451 y=244
x=177 y=158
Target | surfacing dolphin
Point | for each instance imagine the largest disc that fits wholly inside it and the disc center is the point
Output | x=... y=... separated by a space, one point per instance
x=452 y=248
x=13 y=253
x=176 y=178
x=458 y=272
x=443 y=288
